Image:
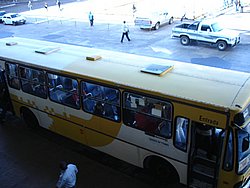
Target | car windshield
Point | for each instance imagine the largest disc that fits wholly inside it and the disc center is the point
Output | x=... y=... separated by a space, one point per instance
x=243 y=148
x=15 y=15
x=216 y=27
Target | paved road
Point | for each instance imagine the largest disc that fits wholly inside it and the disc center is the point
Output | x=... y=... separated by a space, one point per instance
x=71 y=26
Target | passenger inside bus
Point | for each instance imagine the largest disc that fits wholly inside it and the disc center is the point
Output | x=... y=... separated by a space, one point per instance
x=38 y=86
x=110 y=111
x=99 y=109
x=143 y=121
x=164 y=129
x=71 y=97
x=204 y=138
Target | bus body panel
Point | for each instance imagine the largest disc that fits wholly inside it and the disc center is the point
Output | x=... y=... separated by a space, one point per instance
x=197 y=95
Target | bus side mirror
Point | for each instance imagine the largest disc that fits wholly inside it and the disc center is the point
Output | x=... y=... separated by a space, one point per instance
x=239 y=119
x=245 y=144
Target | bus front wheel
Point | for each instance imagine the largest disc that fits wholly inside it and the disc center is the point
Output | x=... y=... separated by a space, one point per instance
x=29 y=118
x=162 y=171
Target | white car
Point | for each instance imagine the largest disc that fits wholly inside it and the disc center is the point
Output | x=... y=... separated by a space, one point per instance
x=1 y=15
x=153 y=19
x=13 y=19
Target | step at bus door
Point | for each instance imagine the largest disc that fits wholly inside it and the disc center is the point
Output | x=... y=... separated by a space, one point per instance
x=204 y=157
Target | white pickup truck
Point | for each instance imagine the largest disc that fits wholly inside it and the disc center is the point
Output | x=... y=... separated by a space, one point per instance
x=153 y=19
x=207 y=31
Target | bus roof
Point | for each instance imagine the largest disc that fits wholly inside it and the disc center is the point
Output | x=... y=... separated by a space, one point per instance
x=214 y=86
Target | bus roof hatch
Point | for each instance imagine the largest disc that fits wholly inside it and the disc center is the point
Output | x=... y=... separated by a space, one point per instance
x=47 y=50
x=155 y=69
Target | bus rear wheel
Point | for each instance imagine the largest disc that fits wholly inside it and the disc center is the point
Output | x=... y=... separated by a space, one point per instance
x=29 y=118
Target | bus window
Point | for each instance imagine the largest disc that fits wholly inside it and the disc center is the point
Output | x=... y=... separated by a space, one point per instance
x=12 y=75
x=63 y=90
x=181 y=130
x=101 y=100
x=243 y=149
x=33 y=81
x=148 y=114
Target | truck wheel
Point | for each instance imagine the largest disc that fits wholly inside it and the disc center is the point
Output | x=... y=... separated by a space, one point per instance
x=157 y=25
x=185 y=40
x=171 y=20
x=221 y=45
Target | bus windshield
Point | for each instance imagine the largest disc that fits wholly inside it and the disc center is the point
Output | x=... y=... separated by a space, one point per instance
x=243 y=148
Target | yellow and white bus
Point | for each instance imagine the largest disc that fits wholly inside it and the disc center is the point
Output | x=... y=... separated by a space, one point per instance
x=184 y=122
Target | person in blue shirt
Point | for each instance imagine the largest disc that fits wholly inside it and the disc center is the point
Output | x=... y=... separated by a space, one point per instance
x=67 y=178
x=91 y=19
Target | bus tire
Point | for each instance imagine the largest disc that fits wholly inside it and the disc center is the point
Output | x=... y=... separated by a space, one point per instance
x=185 y=40
x=29 y=118
x=162 y=170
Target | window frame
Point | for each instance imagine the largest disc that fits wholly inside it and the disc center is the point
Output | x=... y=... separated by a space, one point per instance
x=187 y=134
x=16 y=77
x=32 y=82
x=151 y=98
x=71 y=93
x=117 y=117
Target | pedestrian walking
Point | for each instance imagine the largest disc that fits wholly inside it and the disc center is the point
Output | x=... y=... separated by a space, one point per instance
x=125 y=31
x=134 y=8
x=91 y=19
x=30 y=5
x=67 y=178
x=236 y=2
x=58 y=2
x=46 y=6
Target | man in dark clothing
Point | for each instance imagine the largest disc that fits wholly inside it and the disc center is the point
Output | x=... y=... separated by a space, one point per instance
x=125 y=31
x=4 y=96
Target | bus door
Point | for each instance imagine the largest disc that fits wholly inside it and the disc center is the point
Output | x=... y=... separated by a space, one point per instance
x=2 y=80
x=204 y=156
x=5 y=102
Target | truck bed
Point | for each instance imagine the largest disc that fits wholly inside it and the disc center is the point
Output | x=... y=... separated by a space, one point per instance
x=193 y=26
